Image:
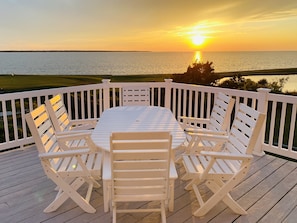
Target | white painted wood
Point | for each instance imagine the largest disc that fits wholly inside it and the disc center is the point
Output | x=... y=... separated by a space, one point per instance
x=69 y=165
x=14 y=106
x=135 y=95
x=136 y=119
x=217 y=124
x=222 y=170
x=140 y=166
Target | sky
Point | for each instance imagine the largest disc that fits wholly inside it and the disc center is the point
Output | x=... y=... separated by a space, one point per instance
x=148 y=25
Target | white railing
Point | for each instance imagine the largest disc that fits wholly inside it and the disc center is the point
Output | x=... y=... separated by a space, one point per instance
x=279 y=135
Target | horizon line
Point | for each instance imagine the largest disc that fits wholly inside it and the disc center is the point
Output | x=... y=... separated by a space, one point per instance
x=226 y=51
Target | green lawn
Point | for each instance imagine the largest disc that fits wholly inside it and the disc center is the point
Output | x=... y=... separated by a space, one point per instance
x=16 y=83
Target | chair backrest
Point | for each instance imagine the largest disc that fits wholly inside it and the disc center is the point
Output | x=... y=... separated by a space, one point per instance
x=221 y=113
x=140 y=166
x=245 y=130
x=135 y=95
x=42 y=130
x=58 y=113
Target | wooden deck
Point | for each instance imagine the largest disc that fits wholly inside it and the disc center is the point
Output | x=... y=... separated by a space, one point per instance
x=269 y=193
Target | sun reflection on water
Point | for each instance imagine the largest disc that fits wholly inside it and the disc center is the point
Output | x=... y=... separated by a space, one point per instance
x=197 y=57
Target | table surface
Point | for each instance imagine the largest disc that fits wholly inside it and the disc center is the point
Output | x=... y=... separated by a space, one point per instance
x=136 y=119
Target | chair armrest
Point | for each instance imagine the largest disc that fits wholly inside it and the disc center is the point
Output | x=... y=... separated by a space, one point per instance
x=78 y=136
x=68 y=153
x=226 y=155
x=205 y=131
x=193 y=120
x=210 y=137
x=73 y=132
x=67 y=136
x=84 y=121
x=83 y=124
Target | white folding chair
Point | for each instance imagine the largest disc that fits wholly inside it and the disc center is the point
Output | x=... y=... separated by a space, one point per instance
x=140 y=165
x=217 y=124
x=68 y=160
x=222 y=171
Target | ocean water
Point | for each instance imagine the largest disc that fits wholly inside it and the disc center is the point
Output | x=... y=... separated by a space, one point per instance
x=131 y=63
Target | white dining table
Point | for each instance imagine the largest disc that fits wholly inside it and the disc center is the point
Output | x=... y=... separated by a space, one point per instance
x=135 y=119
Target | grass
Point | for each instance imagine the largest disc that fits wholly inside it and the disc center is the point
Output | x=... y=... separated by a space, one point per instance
x=17 y=83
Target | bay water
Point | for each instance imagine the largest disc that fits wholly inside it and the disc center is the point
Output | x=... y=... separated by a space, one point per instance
x=138 y=63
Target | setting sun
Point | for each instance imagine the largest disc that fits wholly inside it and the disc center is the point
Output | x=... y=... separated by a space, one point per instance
x=198 y=40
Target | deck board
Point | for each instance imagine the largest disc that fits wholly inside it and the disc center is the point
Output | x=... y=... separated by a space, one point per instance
x=269 y=193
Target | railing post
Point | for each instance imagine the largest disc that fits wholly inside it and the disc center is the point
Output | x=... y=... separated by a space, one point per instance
x=106 y=99
x=262 y=107
x=167 y=92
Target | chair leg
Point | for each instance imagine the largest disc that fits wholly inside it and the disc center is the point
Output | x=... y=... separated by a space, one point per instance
x=114 y=214
x=107 y=195
x=190 y=184
x=163 y=212
x=63 y=196
x=228 y=200
x=69 y=191
x=221 y=193
x=171 y=196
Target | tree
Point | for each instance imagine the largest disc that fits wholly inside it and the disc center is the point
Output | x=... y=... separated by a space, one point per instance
x=277 y=86
x=235 y=82
x=239 y=82
x=198 y=73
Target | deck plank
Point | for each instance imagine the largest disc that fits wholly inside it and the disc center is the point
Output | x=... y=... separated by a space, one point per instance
x=268 y=192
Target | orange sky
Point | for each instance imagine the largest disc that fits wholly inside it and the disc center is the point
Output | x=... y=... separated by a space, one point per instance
x=152 y=25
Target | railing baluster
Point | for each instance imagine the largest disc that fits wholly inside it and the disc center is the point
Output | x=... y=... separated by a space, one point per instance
x=292 y=128
x=282 y=125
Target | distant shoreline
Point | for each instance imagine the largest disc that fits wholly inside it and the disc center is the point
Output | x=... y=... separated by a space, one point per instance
x=282 y=71
x=70 y=51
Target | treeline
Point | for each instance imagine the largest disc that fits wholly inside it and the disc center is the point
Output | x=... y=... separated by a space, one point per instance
x=203 y=74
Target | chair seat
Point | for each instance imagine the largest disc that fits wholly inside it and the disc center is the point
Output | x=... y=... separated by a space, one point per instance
x=221 y=168
x=69 y=166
